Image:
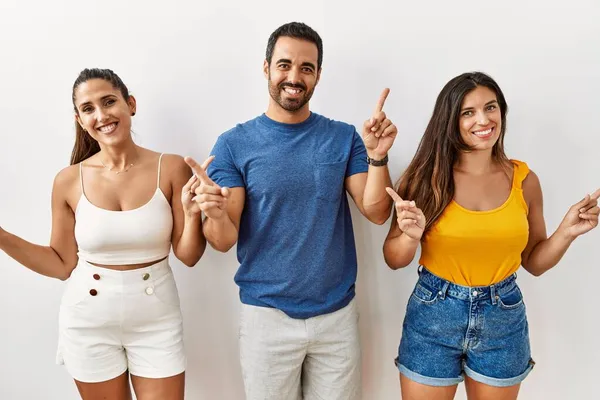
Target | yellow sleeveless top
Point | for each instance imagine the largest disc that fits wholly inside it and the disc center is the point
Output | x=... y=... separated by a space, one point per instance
x=479 y=248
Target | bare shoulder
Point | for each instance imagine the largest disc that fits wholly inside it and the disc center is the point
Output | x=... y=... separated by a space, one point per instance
x=531 y=181
x=532 y=189
x=169 y=163
x=174 y=162
x=174 y=165
x=67 y=178
x=66 y=187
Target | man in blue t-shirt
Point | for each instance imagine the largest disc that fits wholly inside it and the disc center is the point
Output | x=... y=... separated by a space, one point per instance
x=277 y=186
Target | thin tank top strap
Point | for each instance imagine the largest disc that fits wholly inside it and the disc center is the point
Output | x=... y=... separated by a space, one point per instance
x=81 y=176
x=158 y=177
x=521 y=170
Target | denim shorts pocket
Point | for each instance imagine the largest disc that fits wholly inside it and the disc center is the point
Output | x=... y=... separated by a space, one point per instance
x=424 y=295
x=166 y=291
x=329 y=180
x=511 y=300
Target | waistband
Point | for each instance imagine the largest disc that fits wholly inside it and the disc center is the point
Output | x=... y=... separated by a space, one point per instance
x=447 y=288
x=123 y=280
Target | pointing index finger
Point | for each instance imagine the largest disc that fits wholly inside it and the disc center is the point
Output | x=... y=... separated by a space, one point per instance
x=595 y=195
x=200 y=170
x=393 y=194
x=381 y=101
x=207 y=162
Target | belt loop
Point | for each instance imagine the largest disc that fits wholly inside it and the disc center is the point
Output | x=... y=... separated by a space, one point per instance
x=444 y=290
x=493 y=294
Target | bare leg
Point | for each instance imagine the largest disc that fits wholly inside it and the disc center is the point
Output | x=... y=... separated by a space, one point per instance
x=171 y=388
x=480 y=391
x=114 y=389
x=412 y=390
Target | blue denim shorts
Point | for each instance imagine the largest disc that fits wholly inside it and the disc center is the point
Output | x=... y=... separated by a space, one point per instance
x=451 y=330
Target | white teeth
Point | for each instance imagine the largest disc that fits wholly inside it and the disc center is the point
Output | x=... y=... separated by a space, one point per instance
x=483 y=133
x=107 y=128
x=292 y=91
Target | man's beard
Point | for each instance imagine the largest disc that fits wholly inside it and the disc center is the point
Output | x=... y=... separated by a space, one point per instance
x=289 y=104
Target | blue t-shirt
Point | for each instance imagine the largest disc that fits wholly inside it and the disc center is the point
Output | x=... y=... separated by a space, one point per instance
x=296 y=243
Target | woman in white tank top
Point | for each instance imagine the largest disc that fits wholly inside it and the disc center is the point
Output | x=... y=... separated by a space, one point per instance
x=116 y=213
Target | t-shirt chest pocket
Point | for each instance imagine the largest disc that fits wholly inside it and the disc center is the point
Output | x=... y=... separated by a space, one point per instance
x=329 y=180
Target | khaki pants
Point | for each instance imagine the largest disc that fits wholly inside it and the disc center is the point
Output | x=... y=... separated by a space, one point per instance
x=290 y=359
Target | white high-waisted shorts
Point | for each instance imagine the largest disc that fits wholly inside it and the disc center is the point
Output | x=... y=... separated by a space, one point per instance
x=113 y=321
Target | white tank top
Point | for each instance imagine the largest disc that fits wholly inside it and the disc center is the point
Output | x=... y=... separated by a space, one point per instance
x=124 y=237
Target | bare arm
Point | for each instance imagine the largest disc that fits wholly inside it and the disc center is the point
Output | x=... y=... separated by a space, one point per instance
x=187 y=238
x=368 y=189
x=222 y=206
x=398 y=249
x=60 y=258
x=543 y=252
x=405 y=232
x=222 y=231
x=368 y=192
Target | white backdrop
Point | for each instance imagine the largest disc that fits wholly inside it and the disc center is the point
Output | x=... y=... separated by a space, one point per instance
x=195 y=68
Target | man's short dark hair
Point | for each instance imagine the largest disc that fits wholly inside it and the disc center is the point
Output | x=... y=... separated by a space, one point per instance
x=296 y=30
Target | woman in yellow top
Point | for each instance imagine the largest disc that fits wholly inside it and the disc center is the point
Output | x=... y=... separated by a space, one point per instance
x=478 y=217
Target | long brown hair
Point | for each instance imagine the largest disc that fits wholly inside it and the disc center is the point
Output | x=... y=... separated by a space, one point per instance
x=429 y=179
x=85 y=145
